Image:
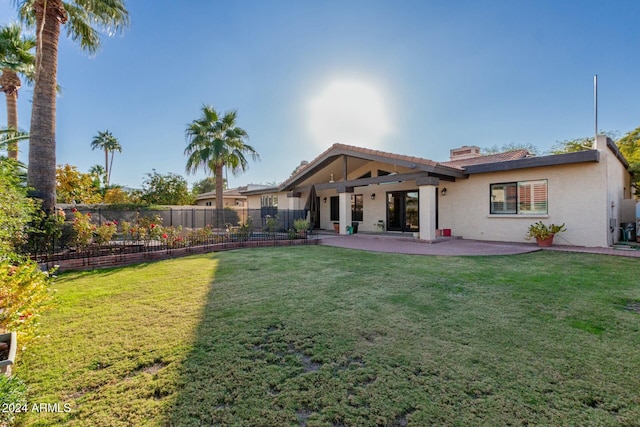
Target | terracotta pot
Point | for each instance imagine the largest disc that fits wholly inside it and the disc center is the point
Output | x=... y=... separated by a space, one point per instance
x=545 y=243
x=336 y=227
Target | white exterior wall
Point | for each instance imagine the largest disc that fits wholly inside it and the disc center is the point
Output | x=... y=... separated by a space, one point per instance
x=254 y=201
x=373 y=210
x=576 y=197
x=583 y=196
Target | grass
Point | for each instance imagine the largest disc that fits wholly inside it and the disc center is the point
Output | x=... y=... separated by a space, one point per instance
x=328 y=337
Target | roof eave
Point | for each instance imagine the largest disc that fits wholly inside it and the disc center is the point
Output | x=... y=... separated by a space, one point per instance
x=534 y=162
x=336 y=151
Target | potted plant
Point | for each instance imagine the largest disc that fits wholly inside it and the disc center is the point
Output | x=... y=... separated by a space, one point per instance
x=301 y=226
x=8 y=348
x=543 y=233
x=379 y=225
x=336 y=227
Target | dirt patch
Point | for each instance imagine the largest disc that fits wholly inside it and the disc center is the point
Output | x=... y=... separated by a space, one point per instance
x=633 y=306
x=153 y=369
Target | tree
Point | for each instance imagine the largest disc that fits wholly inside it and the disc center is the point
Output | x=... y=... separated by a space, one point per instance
x=169 y=189
x=215 y=142
x=495 y=149
x=572 y=145
x=74 y=186
x=15 y=59
x=99 y=174
x=116 y=195
x=82 y=19
x=15 y=208
x=578 y=144
x=110 y=144
x=629 y=146
x=206 y=185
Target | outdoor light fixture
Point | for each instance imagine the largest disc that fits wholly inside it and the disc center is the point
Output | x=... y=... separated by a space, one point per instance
x=443 y=192
x=373 y=196
x=331 y=179
x=324 y=200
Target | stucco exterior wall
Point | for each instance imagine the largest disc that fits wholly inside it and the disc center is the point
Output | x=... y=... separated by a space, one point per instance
x=227 y=202
x=576 y=197
x=587 y=197
x=373 y=210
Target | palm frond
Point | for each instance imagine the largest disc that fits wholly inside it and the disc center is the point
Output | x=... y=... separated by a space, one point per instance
x=79 y=29
x=25 y=11
x=110 y=15
x=15 y=51
x=10 y=136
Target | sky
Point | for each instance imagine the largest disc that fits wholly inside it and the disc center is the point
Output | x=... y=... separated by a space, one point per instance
x=408 y=77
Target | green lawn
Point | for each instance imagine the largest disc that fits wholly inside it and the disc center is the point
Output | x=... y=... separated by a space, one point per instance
x=325 y=336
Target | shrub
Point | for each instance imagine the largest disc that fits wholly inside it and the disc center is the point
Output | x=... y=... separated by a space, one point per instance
x=83 y=229
x=244 y=229
x=146 y=229
x=230 y=217
x=301 y=225
x=105 y=232
x=271 y=224
x=24 y=292
x=16 y=209
x=44 y=231
x=172 y=236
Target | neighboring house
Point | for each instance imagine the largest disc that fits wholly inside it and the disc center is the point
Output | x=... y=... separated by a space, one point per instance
x=232 y=198
x=493 y=197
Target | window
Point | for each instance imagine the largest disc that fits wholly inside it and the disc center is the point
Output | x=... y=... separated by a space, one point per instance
x=335 y=208
x=356 y=207
x=268 y=206
x=269 y=201
x=519 y=198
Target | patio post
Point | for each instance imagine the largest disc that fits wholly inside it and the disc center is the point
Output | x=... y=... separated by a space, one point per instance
x=427 y=205
x=344 y=195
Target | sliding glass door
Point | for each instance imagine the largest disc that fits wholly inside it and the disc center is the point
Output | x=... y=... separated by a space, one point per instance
x=402 y=211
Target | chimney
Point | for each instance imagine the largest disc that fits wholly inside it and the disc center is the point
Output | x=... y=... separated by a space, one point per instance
x=464 y=152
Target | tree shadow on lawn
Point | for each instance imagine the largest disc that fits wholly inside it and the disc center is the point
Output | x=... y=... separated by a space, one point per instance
x=258 y=360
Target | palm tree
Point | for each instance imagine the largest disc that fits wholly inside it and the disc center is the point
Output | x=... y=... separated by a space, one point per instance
x=99 y=173
x=215 y=142
x=80 y=17
x=109 y=143
x=15 y=59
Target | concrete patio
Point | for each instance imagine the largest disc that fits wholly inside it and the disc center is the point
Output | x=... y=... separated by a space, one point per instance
x=406 y=244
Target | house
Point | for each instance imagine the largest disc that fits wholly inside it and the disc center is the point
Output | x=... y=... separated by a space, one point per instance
x=494 y=197
x=232 y=197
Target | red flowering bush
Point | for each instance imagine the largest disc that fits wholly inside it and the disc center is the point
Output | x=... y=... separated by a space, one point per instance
x=105 y=232
x=83 y=229
x=145 y=229
x=172 y=237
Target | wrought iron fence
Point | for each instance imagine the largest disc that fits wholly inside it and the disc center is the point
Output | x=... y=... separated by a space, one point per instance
x=172 y=229
x=193 y=217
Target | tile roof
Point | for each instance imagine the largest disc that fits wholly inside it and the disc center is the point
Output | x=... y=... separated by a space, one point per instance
x=231 y=192
x=492 y=158
x=366 y=151
x=390 y=156
x=457 y=165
